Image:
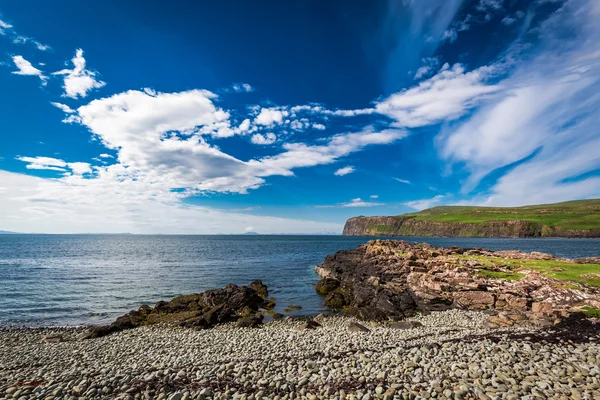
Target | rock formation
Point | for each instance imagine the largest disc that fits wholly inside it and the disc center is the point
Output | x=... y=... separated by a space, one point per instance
x=199 y=310
x=390 y=279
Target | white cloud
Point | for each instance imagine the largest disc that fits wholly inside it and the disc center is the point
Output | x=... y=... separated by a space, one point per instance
x=48 y=163
x=242 y=87
x=360 y=203
x=159 y=140
x=19 y=39
x=344 y=171
x=374 y=196
x=430 y=64
x=446 y=96
x=25 y=68
x=508 y=20
x=104 y=155
x=65 y=108
x=55 y=164
x=79 y=80
x=75 y=204
x=270 y=116
x=296 y=125
x=244 y=126
x=450 y=35
x=424 y=203
x=319 y=127
x=403 y=181
x=3 y=26
x=268 y=138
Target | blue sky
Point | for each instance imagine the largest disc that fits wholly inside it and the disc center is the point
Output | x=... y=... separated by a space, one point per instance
x=290 y=117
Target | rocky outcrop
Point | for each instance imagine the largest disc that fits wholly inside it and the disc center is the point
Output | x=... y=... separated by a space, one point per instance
x=389 y=279
x=198 y=310
x=409 y=226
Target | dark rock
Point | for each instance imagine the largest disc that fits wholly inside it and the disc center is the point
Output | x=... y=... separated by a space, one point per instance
x=327 y=285
x=308 y=325
x=335 y=300
x=250 y=322
x=356 y=327
x=199 y=310
x=260 y=288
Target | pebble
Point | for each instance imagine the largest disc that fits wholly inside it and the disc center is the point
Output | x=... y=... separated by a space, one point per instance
x=440 y=359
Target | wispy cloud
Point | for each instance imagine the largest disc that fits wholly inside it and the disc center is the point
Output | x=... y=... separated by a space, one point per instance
x=403 y=181
x=242 y=87
x=344 y=171
x=446 y=96
x=543 y=123
x=357 y=202
x=424 y=203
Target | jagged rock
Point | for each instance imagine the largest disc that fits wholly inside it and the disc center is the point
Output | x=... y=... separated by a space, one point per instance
x=475 y=300
x=390 y=279
x=260 y=288
x=198 y=310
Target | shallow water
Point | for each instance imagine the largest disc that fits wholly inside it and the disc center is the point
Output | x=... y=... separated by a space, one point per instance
x=89 y=279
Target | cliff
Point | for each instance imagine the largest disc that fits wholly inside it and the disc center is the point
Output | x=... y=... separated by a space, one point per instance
x=577 y=219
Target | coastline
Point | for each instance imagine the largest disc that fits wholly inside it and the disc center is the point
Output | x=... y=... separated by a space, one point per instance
x=452 y=354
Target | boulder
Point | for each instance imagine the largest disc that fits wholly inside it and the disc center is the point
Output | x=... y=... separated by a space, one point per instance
x=356 y=327
x=250 y=322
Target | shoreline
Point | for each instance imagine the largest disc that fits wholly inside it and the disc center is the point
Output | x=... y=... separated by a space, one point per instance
x=278 y=361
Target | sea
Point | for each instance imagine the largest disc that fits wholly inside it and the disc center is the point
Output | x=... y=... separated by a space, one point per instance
x=60 y=280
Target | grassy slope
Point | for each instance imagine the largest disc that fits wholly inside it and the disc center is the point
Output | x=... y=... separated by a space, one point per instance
x=578 y=214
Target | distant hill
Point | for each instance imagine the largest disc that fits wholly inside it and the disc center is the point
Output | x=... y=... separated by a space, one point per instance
x=578 y=218
x=7 y=233
x=251 y=233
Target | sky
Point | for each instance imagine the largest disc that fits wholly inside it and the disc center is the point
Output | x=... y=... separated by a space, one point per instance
x=290 y=117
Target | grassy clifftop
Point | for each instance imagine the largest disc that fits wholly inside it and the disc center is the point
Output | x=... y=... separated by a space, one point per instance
x=579 y=218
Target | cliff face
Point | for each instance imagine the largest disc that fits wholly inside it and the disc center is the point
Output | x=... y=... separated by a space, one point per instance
x=406 y=226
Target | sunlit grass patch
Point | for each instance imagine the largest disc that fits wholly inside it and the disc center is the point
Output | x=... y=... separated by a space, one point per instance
x=586 y=274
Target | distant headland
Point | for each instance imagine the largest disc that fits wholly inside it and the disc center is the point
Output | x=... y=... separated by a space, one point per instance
x=576 y=219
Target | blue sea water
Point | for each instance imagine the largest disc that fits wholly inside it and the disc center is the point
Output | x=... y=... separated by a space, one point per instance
x=90 y=279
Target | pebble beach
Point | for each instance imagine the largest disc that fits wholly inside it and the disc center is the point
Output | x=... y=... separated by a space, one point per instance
x=451 y=356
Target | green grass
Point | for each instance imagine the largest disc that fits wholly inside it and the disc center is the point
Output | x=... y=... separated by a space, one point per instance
x=578 y=214
x=484 y=273
x=586 y=274
x=591 y=312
